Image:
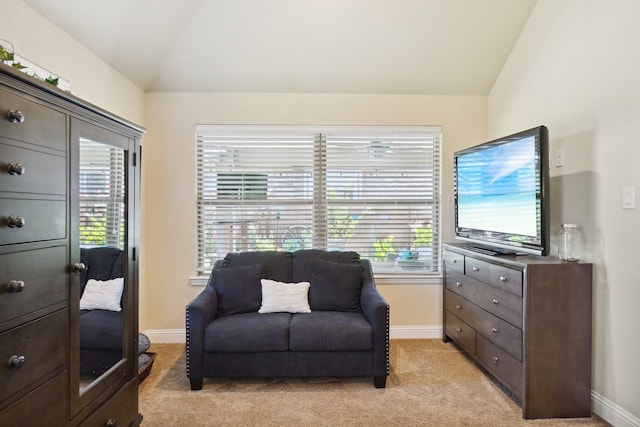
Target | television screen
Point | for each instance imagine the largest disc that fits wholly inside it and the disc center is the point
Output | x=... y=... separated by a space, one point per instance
x=501 y=193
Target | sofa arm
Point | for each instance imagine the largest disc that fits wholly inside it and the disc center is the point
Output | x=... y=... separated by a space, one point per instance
x=199 y=313
x=376 y=310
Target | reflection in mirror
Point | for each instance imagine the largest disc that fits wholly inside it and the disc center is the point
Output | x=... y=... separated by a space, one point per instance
x=102 y=243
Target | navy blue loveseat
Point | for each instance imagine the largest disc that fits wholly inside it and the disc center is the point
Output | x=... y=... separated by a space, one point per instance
x=346 y=332
x=100 y=330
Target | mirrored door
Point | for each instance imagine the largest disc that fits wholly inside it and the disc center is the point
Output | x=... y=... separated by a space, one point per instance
x=101 y=262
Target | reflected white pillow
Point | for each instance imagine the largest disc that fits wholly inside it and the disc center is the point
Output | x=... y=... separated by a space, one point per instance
x=102 y=294
x=281 y=297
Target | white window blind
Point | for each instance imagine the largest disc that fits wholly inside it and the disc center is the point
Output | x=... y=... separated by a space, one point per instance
x=373 y=190
x=102 y=194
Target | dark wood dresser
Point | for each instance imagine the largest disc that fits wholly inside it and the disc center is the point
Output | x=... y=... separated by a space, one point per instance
x=42 y=134
x=527 y=321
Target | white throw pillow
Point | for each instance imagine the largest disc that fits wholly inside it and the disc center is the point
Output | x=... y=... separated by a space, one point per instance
x=281 y=297
x=102 y=294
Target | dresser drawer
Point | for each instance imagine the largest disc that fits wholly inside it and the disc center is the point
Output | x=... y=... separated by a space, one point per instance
x=453 y=261
x=501 y=333
x=505 y=278
x=121 y=409
x=51 y=408
x=501 y=364
x=43 y=344
x=460 y=284
x=490 y=298
x=32 y=280
x=462 y=308
x=463 y=334
x=43 y=220
x=42 y=173
x=496 y=301
x=42 y=125
x=477 y=269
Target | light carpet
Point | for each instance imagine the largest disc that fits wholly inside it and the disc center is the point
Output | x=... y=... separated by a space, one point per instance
x=431 y=384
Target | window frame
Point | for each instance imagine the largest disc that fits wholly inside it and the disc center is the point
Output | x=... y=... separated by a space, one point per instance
x=319 y=195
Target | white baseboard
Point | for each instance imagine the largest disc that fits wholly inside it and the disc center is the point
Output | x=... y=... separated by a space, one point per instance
x=166 y=336
x=176 y=336
x=612 y=413
x=415 y=332
x=602 y=407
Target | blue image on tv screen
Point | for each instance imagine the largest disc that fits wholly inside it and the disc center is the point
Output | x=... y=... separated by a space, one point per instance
x=497 y=189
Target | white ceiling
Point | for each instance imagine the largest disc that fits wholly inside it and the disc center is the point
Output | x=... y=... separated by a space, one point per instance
x=453 y=47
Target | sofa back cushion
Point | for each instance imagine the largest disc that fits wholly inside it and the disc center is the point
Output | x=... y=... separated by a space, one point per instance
x=277 y=265
x=102 y=263
x=238 y=289
x=304 y=260
x=335 y=286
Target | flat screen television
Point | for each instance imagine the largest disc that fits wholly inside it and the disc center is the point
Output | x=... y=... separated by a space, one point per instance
x=502 y=194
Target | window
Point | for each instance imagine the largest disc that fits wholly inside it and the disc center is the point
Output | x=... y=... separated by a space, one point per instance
x=102 y=195
x=374 y=190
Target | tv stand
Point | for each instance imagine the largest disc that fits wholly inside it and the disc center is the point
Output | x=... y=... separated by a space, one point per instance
x=527 y=322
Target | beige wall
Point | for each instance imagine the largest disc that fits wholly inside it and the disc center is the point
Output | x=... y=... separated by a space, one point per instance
x=91 y=79
x=576 y=69
x=169 y=186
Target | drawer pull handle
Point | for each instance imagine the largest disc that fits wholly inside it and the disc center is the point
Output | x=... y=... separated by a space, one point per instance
x=476 y=269
x=112 y=423
x=78 y=267
x=459 y=329
x=15 y=286
x=14 y=221
x=458 y=306
x=453 y=261
x=16 y=361
x=495 y=359
x=15 y=116
x=495 y=301
x=16 y=169
x=494 y=330
x=503 y=279
x=458 y=284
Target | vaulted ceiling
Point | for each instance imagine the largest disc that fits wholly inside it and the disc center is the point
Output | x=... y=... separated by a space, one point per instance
x=452 y=47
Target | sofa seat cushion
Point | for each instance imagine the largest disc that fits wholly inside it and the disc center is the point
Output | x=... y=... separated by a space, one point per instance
x=248 y=332
x=101 y=329
x=330 y=331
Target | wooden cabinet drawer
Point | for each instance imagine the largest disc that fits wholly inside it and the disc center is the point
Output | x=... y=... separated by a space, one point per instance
x=460 y=284
x=504 y=278
x=505 y=367
x=43 y=344
x=463 y=334
x=503 y=304
x=462 y=308
x=501 y=333
x=121 y=409
x=43 y=276
x=453 y=261
x=477 y=269
x=44 y=220
x=43 y=407
x=42 y=125
x=497 y=301
x=43 y=173
x=508 y=279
